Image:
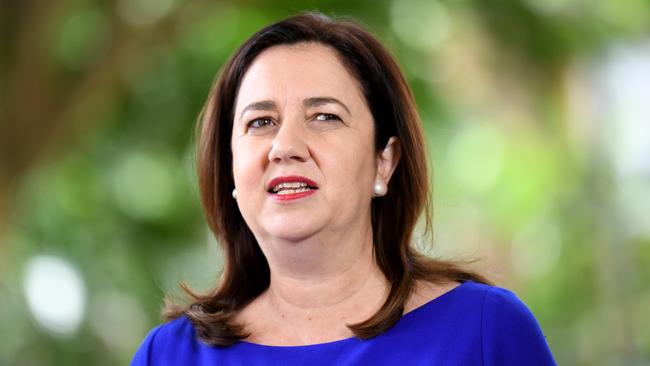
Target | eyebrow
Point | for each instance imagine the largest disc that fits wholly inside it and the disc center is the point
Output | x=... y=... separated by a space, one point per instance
x=269 y=105
x=318 y=101
x=262 y=105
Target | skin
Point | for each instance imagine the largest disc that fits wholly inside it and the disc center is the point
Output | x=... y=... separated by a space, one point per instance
x=319 y=248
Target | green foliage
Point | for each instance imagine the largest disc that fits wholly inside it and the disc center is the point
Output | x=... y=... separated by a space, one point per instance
x=524 y=178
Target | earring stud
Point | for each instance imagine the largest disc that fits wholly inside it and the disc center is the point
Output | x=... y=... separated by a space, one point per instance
x=379 y=189
x=234 y=193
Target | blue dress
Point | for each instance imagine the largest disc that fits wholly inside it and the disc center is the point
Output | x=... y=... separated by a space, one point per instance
x=473 y=324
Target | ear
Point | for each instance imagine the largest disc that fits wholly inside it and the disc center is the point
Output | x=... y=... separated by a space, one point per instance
x=387 y=160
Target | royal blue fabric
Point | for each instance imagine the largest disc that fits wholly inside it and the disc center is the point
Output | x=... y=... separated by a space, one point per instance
x=473 y=324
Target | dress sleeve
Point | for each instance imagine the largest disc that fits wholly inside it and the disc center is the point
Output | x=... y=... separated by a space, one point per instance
x=142 y=356
x=511 y=334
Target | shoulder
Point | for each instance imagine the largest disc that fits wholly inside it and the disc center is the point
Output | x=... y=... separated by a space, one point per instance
x=504 y=312
x=165 y=341
x=424 y=292
x=490 y=301
x=466 y=297
x=502 y=305
x=475 y=323
x=510 y=332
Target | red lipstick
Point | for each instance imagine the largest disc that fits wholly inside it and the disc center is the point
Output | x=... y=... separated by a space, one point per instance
x=311 y=185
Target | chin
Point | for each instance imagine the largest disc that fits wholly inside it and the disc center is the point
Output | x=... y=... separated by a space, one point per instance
x=293 y=235
x=291 y=232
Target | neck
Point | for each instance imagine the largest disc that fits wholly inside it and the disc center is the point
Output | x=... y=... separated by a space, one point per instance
x=332 y=274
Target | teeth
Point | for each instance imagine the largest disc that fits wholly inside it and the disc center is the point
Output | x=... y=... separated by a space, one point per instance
x=290 y=185
x=291 y=191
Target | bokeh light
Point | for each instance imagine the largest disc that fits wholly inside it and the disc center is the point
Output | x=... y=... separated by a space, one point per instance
x=537 y=119
x=55 y=293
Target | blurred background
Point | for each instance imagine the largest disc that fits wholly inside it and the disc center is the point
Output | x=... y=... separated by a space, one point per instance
x=537 y=114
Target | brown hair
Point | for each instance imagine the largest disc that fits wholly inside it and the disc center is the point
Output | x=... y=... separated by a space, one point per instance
x=394 y=216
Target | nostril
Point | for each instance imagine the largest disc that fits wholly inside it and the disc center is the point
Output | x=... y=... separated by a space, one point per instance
x=288 y=148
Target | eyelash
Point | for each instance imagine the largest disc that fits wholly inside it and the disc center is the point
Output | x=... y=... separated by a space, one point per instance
x=329 y=116
x=333 y=116
x=250 y=124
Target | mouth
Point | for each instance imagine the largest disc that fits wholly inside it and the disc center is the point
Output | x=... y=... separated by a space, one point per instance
x=291 y=187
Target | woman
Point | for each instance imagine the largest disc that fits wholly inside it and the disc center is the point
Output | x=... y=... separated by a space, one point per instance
x=312 y=169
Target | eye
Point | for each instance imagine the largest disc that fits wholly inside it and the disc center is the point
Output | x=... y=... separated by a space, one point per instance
x=327 y=117
x=260 y=122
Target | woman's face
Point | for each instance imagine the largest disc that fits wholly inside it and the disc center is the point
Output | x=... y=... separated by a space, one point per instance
x=300 y=116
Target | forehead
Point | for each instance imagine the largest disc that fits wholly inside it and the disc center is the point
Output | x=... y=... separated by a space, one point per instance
x=298 y=71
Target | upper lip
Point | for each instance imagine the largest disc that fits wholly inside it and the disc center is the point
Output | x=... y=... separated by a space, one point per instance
x=290 y=178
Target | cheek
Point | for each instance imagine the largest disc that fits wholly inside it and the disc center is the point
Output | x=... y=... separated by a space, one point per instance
x=352 y=168
x=247 y=165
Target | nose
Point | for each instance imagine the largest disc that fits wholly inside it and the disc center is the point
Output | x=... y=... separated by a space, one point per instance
x=289 y=144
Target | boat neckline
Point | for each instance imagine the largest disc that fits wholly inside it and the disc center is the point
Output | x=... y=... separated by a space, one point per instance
x=404 y=317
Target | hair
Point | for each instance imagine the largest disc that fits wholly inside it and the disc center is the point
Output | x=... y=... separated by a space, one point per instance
x=246 y=271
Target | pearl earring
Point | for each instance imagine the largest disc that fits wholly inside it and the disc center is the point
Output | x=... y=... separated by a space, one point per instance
x=234 y=193
x=380 y=189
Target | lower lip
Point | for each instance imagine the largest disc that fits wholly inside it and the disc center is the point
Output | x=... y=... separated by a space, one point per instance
x=292 y=196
